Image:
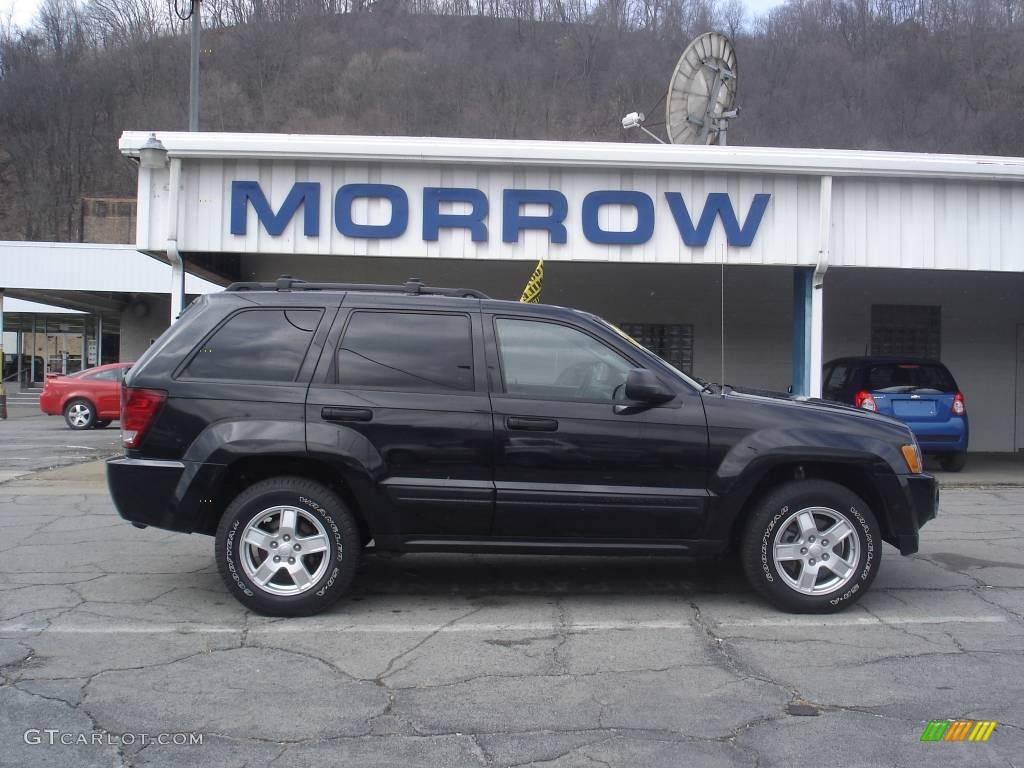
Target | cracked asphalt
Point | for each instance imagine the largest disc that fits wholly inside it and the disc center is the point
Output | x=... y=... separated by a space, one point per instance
x=499 y=661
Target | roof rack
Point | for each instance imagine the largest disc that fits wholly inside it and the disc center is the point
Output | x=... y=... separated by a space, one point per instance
x=411 y=287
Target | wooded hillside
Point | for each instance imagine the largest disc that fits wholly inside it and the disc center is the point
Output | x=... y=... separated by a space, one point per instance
x=916 y=75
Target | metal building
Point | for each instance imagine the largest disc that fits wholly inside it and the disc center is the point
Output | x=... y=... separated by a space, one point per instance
x=754 y=264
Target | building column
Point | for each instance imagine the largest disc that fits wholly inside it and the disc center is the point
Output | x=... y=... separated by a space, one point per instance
x=818 y=285
x=809 y=305
x=803 y=288
x=3 y=390
x=32 y=357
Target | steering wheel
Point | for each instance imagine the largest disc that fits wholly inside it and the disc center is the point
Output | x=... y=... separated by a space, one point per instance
x=575 y=375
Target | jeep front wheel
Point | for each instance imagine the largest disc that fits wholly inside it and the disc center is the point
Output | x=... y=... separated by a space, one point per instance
x=811 y=546
x=287 y=546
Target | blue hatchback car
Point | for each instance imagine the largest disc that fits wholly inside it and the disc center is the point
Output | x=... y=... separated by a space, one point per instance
x=922 y=393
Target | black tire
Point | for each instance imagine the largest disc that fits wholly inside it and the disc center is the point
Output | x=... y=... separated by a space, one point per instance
x=953 y=462
x=102 y=424
x=308 y=498
x=775 y=510
x=79 y=414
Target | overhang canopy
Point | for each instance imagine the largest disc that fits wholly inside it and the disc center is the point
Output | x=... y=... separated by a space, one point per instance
x=578 y=201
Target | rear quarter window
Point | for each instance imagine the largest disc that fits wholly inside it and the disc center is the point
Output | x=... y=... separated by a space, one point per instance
x=266 y=345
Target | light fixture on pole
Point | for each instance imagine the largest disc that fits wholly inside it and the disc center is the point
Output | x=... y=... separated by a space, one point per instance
x=153 y=154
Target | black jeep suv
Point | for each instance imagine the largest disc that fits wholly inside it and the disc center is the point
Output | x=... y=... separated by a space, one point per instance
x=301 y=422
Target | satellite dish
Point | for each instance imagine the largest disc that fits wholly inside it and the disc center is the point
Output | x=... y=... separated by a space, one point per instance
x=702 y=93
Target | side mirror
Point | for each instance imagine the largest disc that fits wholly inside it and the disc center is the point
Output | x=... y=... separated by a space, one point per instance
x=645 y=387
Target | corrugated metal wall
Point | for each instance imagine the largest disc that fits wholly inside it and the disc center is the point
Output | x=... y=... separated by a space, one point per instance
x=877 y=222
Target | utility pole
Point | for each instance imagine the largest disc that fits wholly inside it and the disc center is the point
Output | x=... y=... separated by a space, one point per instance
x=193 y=81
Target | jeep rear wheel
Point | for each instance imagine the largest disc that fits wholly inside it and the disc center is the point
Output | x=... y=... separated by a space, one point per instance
x=287 y=546
x=811 y=546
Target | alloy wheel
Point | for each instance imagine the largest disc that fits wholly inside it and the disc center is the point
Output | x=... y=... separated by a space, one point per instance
x=285 y=550
x=816 y=550
x=78 y=415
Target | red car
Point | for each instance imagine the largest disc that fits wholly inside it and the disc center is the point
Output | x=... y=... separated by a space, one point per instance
x=90 y=398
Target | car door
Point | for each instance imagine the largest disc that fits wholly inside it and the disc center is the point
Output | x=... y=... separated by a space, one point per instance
x=106 y=388
x=406 y=395
x=573 y=459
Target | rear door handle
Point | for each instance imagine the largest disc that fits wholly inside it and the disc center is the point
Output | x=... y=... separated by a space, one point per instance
x=531 y=424
x=340 y=413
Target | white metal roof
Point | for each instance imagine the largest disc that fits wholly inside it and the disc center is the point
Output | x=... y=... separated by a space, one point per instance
x=88 y=267
x=448 y=151
x=32 y=307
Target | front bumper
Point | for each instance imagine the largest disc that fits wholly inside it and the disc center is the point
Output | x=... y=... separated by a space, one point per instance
x=918 y=503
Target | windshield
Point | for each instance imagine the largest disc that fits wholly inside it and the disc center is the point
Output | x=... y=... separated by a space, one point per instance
x=640 y=346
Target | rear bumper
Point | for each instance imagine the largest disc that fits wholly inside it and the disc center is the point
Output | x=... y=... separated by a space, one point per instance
x=941 y=437
x=174 y=495
x=144 y=491
x=49 y=404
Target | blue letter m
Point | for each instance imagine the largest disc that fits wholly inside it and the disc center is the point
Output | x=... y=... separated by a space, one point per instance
x=718 y=204
x=305 y=193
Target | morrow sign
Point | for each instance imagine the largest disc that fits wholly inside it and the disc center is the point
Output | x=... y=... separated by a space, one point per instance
x=474 y=210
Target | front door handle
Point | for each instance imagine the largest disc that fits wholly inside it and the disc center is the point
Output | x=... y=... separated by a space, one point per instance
x=340 y=413
x=531 y=424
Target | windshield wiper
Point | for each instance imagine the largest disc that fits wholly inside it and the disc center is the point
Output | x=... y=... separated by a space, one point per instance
x=723 y=389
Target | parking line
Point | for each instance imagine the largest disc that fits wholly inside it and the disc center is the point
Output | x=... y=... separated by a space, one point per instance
x=400 y=629
x=857 y=621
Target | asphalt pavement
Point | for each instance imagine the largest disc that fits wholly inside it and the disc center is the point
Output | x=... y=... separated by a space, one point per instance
x=31 y=441
x=441 y=660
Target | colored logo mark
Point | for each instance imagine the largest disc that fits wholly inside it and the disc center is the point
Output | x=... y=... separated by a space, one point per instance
x=958 y=730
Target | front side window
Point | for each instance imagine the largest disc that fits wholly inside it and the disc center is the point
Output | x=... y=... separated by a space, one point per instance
x=256 y=345
x=413 y=351
x=552 y=361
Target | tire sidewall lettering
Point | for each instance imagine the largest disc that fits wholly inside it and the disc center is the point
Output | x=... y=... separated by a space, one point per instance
x=336 y=533
x=766 y=568
x=231 y=553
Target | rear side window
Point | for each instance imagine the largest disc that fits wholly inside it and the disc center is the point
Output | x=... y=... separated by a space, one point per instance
x=111 y=374
x=406 y=351
x=910 y=377
x=256 y=345
x=838 y=379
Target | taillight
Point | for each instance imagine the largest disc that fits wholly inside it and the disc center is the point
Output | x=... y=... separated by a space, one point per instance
x=866 y=401
x=959 y=406
x=138 y=409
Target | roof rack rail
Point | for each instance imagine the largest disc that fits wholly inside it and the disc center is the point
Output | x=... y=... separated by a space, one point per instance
x=412 y=287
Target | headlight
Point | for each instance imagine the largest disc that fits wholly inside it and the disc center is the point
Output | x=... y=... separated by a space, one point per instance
x=912 y=455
